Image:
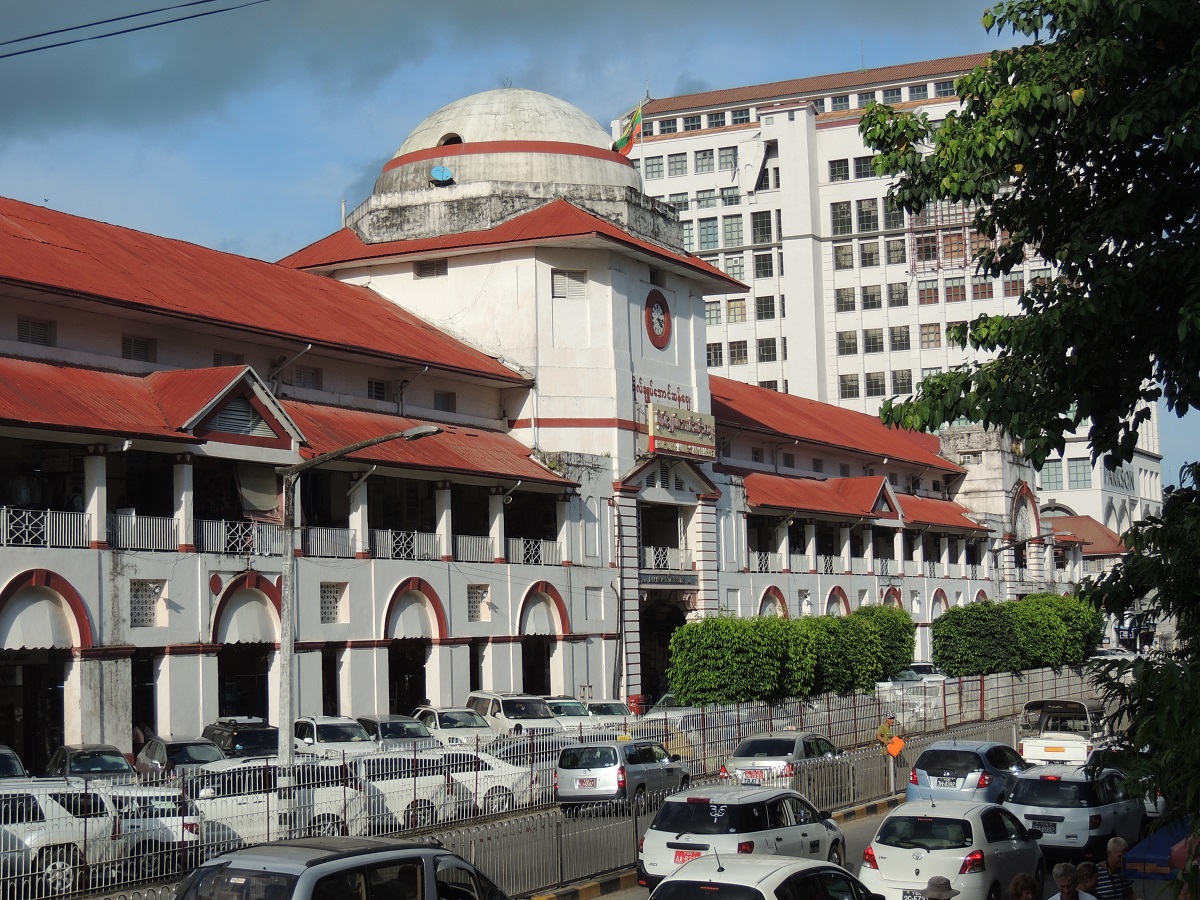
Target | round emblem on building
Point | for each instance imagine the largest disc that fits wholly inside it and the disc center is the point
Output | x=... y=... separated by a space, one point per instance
x=658 y=319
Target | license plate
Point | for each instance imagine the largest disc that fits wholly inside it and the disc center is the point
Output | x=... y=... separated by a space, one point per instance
x=754 y=773
x=947 y=782
x=682 y=856
x=1045 y=827
x=912 y=895
x=582 y=783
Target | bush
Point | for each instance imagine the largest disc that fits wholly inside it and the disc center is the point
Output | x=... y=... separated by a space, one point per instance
x=864 y=651
x=1038 y=633
x=1084 y=624
x=975 y=639
x=831 y=658
x=897 y=636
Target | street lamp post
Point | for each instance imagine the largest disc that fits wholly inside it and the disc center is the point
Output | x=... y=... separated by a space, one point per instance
x=287 y=611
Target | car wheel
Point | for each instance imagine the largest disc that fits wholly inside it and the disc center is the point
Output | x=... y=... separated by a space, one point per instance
x=151 y=861
x=994 y=893
x=640 y=801
x=58 y=869
x=328 y=826
x=420 y=814
x=835 y=854
x=497 y=800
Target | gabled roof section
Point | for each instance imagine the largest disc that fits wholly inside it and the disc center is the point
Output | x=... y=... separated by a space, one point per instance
x=80 y=257
x=918 y=510
x=857 y=498
x=458 y=449
x=225 y=400
x=1097 y=539
x=751 y=408
x=796 y=87
x=558 y=222
x=635 y=479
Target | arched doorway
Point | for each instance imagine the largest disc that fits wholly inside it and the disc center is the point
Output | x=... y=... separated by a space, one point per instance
x=837 y=604
x=662 y=613
x=247 y=628
x=773 y=604
x=543 y=621
x=410 y=631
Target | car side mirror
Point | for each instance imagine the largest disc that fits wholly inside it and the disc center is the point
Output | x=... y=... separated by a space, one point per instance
x=1033 y=834
x=675 y=757
x=307 y=740
x=206 y=793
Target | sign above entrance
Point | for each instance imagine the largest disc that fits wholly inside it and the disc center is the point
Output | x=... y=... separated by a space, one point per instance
x=673 y=579
x=682 y=432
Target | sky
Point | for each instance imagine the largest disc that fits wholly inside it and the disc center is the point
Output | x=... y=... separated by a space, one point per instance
x=245 y=130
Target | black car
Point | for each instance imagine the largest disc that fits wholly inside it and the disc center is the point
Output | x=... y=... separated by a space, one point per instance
x=238 y=736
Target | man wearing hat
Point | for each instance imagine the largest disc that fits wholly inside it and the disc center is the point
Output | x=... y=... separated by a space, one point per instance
x=939 y=888
x=884 y=734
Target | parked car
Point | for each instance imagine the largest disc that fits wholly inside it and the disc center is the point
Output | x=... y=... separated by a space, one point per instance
x=964 y=770
x=979 y=847
x=805 y=761
x=243 y=736
x=162 y=758
x=536 y=752
x=1076 y=809
x=611 y=713
x=927 y=671
x=90 y=761
x=729 y=820
x=604 y=771
x=397 y=732
x=328 y=868
x=513 y=713
x=415 y=788
x=754 y=877
x=10 y=764
x=495 y=785
x=331 y=736
x=160 y=831
x=574 y=716
x=1059 y=730
x=455 y=725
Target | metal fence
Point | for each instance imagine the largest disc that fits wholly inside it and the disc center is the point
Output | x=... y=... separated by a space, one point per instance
x=492 y=801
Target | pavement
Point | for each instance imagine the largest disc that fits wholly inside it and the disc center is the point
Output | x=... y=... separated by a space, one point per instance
x=624 y=879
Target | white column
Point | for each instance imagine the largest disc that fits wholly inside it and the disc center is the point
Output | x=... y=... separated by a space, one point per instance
x=810 y=544
x=360 y=522
x=919 y=553
x=445 y=530
x=95 y=496
x=96 y=702
x=868 y=534
x=363 y=681
x=185 y=692
x=783 y=544
x=185 y=515
x=447 y=674
x=844 y=541
x=562 y=509
x=898 y=551
x=945 y=554
x=496 y=525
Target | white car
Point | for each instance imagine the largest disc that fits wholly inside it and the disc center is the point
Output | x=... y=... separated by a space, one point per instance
x=760 y=878
x=727 y=821
x=576 y=718
x=414 y=788
x=160 y=830
x=332 y=736
x=1075 y=809
x=980 y=847
x=612 y=714
x=456 y=725
x=497 y=786
x=514 y=713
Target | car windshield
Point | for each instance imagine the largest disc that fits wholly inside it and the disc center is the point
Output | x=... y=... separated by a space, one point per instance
x=926 y=832
x=925 y=669
x=667 y=701
x=10 y=766
x=224 y=883
x=569 y=708
x=587 y=758
x=462 y=718
x=609 y=709
x=184 y=754
x=947 y=763
x=699 y=815
x=763 y=748
x=89 y=762
x=394 y=730
x=526 y=709
x=713 y=890
x=338 y=732
x=260 y=742
x=154 y=806
x=1051 y=792
x=906 y=675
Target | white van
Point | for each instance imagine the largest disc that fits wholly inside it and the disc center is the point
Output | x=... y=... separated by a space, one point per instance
x=512 y=713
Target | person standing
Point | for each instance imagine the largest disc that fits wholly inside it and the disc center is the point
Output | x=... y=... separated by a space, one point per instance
x=1068 y=883
x=1111 y=883
x=1086 y=875
x=884 y=733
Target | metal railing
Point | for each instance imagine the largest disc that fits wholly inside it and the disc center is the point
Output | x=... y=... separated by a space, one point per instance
x=238 y=538
x=533 y=552
x=764 y=561
x=858 y=565
x=884 y=565
x=674 y=558
x=473 y=548
x=829 y=565
x=142 y=532
x=335 y=543
x=21 y=527
x=931 y=568
x=800 y=562
x=405 y=545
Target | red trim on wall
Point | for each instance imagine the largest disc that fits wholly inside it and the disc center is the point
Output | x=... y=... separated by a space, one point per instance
x=841 y=595
x=121 y=651
x=775 y=592
x=659 y=341
x=189 y=650
x=545 y=587
x=421 y=586
x=558 y=148
x=251 y=581
x=57 y=583
x=568 y=422
x=893 y=597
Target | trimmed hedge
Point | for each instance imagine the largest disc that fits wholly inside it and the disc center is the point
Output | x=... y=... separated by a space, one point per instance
x=897 y=636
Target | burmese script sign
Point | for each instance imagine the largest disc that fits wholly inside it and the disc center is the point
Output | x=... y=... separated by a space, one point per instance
x=682 y=432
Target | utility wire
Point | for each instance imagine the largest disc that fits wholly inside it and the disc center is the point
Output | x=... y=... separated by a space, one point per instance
x=121 y=31
x=149 y=12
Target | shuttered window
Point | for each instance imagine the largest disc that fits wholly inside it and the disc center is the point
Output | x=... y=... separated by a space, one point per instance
x=568 y=284
x=35 y=331
x=240 y=417
x=139 y=348
x=431 y=268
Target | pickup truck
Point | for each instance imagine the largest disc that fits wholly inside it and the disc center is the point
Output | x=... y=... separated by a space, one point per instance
x=1061 y=731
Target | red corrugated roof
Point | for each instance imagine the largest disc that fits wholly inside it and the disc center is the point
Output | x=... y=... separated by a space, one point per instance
x=854 y=497
x=181 y=393
x=817 y=84
x=92 y=259
x=750 y=407
x=932 y=511
x=558 y=220
x=1098 y=539
x=469 y=451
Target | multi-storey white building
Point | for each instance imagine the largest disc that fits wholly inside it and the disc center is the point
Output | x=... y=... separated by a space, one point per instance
x=849 y=301
x=591 y=487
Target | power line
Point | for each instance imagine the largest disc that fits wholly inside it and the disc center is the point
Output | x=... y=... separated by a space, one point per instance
x=121 y=31
x=149 y=12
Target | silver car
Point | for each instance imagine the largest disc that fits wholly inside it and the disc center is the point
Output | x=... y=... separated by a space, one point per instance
x=616 y=770
x=805 y=761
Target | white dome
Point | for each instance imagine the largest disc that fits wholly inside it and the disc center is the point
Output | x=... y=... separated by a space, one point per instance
x=507 y=114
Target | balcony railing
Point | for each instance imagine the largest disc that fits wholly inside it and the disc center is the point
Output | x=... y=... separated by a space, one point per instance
x=42 y=528
x=666 y=558
x=533 y=552
x=884 y=565
x=336 y=543
x=134 y=532
x=799 y=562
x=973 y=570
x=766 y=561
x=473 y=548
x=1022 y=573
x=829 y=565
x=238 y=538
x=931 y=568
x=404 y=545
x=858 y=565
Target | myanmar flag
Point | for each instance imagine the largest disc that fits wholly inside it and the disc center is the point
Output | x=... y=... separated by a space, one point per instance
x=624 y=143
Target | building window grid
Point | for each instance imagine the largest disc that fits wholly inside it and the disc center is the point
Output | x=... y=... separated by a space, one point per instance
x=737 y=309
x=899 y=337
x=897 y=294
x=943 y=88
x=691 y=123
x=708 y=234
x=839 y=170
x=864 y=98
x=1052 y=475
x=863 y=167
x=703 y=162
x=891 y=96
x=867 y=212
x=144 y=602
x=1079 y=474
x=732 y=226
x=706 y=199
x=730 y=196
x=678 y=201
x=843 y=300
x=868 y=254
x=847 y=387
x=931 y=336
x=872 y=296
x=764 y=308
x=712 y=312
x=893 y=216
x=872 y=340
x=689 y=240
x=760 y=227
x=764 y=265
x=716 y=120
x=677 y=164
x=875 y=384
x=956 y=290
x=333 y=596
x=766 y=350
x=847 y=343
x=727 y=159
x=843 y=257
x=715 y=354
x=840 y=221
x=918 y=92
x=982 y=287
x=741 y=117
x=668 y=126
x=1014 y=284
x=927 y=292
x=654 y=167
x=735 y=267
x=902 y=381
x=896 y=252
x=477 y=600
x=739 y=354
x=839 y=102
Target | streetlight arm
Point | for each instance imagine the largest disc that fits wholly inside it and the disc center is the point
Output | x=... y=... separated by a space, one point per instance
x=408 y=434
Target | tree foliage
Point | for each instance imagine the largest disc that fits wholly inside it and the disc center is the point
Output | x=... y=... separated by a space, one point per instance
x=1084 y=625
x=832 y=673
x=1084 y=143
x=1038 y=633
x=975 y=639
x=897 y=636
